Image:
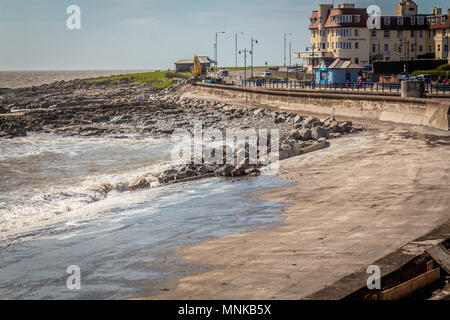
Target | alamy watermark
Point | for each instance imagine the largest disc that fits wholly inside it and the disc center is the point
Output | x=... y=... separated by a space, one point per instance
x=374 y=280
x=73 y=22
x=74 y=280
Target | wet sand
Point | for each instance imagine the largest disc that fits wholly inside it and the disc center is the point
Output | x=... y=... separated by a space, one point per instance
x=365 y=196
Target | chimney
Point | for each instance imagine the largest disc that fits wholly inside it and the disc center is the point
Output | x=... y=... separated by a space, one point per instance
x=437 y=11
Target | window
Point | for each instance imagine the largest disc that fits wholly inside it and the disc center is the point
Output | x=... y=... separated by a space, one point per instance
x=373 y=33
x=412 y=47
x=413 y=21
x=412 y=33
x=434 y=33
x=445 y=47
x=443 y=33
x=420 y=48
x=320 y=20
x=386 y=48
x=420 y=20
x=357 y=19
x=356 y=60
x=387 y=20
x=356 y=45
x=420 y=33
x=374 y=48
x=439 y=48
x=386 y=33
x=399 y=33
x=356 y=33
x=443 y=19
x=400 y=21
x=341 y=19
x=399 y=48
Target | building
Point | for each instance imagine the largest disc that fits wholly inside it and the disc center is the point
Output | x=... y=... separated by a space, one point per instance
x=186 y=65
x=343 y=33
x=339 y=71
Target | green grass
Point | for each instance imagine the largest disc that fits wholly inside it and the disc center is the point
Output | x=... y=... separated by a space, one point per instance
x=248 y=67
x=157 y=79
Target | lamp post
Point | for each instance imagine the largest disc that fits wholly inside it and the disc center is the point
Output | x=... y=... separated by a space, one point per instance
x=215 y=47
x=312 y=62
x=236 y=47
x=244 y=52
x=253 y=41
x=285 y=35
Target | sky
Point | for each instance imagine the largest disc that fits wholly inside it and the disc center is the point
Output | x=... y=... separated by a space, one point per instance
x=153 y=34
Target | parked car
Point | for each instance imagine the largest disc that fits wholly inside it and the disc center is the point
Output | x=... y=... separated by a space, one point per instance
x=423 y=77
x=266 y=74
x=403 y=76
x=223 y=71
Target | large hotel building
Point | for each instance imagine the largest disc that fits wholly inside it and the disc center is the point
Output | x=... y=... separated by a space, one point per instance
x=343 y=32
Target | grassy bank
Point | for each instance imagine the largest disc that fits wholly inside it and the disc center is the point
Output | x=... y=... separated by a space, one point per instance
x=157 y=79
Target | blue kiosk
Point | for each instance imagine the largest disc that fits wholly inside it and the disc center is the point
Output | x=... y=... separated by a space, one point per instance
x=339 y=71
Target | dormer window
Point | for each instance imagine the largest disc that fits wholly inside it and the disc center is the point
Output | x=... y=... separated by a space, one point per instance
x=443 y=19
x=400 y=21
x=387 y=20
x=420 y=20
x=413 y=21
x=357 y=19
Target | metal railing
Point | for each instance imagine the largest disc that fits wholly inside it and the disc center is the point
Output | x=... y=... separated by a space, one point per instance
x=383 y=87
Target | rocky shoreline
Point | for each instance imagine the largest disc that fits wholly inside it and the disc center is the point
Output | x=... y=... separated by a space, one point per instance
x=94 y=109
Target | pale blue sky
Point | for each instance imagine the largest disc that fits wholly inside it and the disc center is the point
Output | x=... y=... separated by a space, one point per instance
x=148 y=34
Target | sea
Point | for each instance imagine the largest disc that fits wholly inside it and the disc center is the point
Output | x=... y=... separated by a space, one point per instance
x=56 y=216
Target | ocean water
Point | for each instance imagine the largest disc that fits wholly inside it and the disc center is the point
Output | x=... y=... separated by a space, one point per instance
x=20 y=79
x=53 y=214
x=46 y=179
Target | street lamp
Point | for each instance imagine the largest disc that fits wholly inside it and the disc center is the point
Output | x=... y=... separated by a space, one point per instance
x=236 y=51
x=253 y=41
x=285 y=35
x=215 y=47
x=244 y=52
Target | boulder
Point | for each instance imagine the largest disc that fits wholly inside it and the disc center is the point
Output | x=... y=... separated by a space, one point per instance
x=305 y=133
x=345 y=127
x=319 y=132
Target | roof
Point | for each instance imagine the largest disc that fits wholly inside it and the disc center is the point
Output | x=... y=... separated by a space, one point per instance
x=344 y=64
x=202 y=59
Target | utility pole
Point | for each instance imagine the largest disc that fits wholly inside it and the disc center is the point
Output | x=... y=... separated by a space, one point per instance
x=236 y=47
x=215 y=48
x=253 y=41
x=244 y=52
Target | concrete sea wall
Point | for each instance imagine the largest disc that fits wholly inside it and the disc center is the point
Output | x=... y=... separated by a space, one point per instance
x=417 y=111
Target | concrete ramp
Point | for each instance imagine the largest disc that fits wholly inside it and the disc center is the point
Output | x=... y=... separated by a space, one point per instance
x=418 y=111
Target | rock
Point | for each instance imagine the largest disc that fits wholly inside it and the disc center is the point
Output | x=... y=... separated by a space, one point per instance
x=305 y=134
x=328 y=121
x=298 y=119
x=286 y=151
x=335 y=135
x=310 y=122
x=140 y=184
x=345 y=127
x=294 y=134
x=333 y=126
x=319 y=132
x=280 y=119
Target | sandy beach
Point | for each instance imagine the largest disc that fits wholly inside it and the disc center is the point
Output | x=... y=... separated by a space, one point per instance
x=351 y=204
